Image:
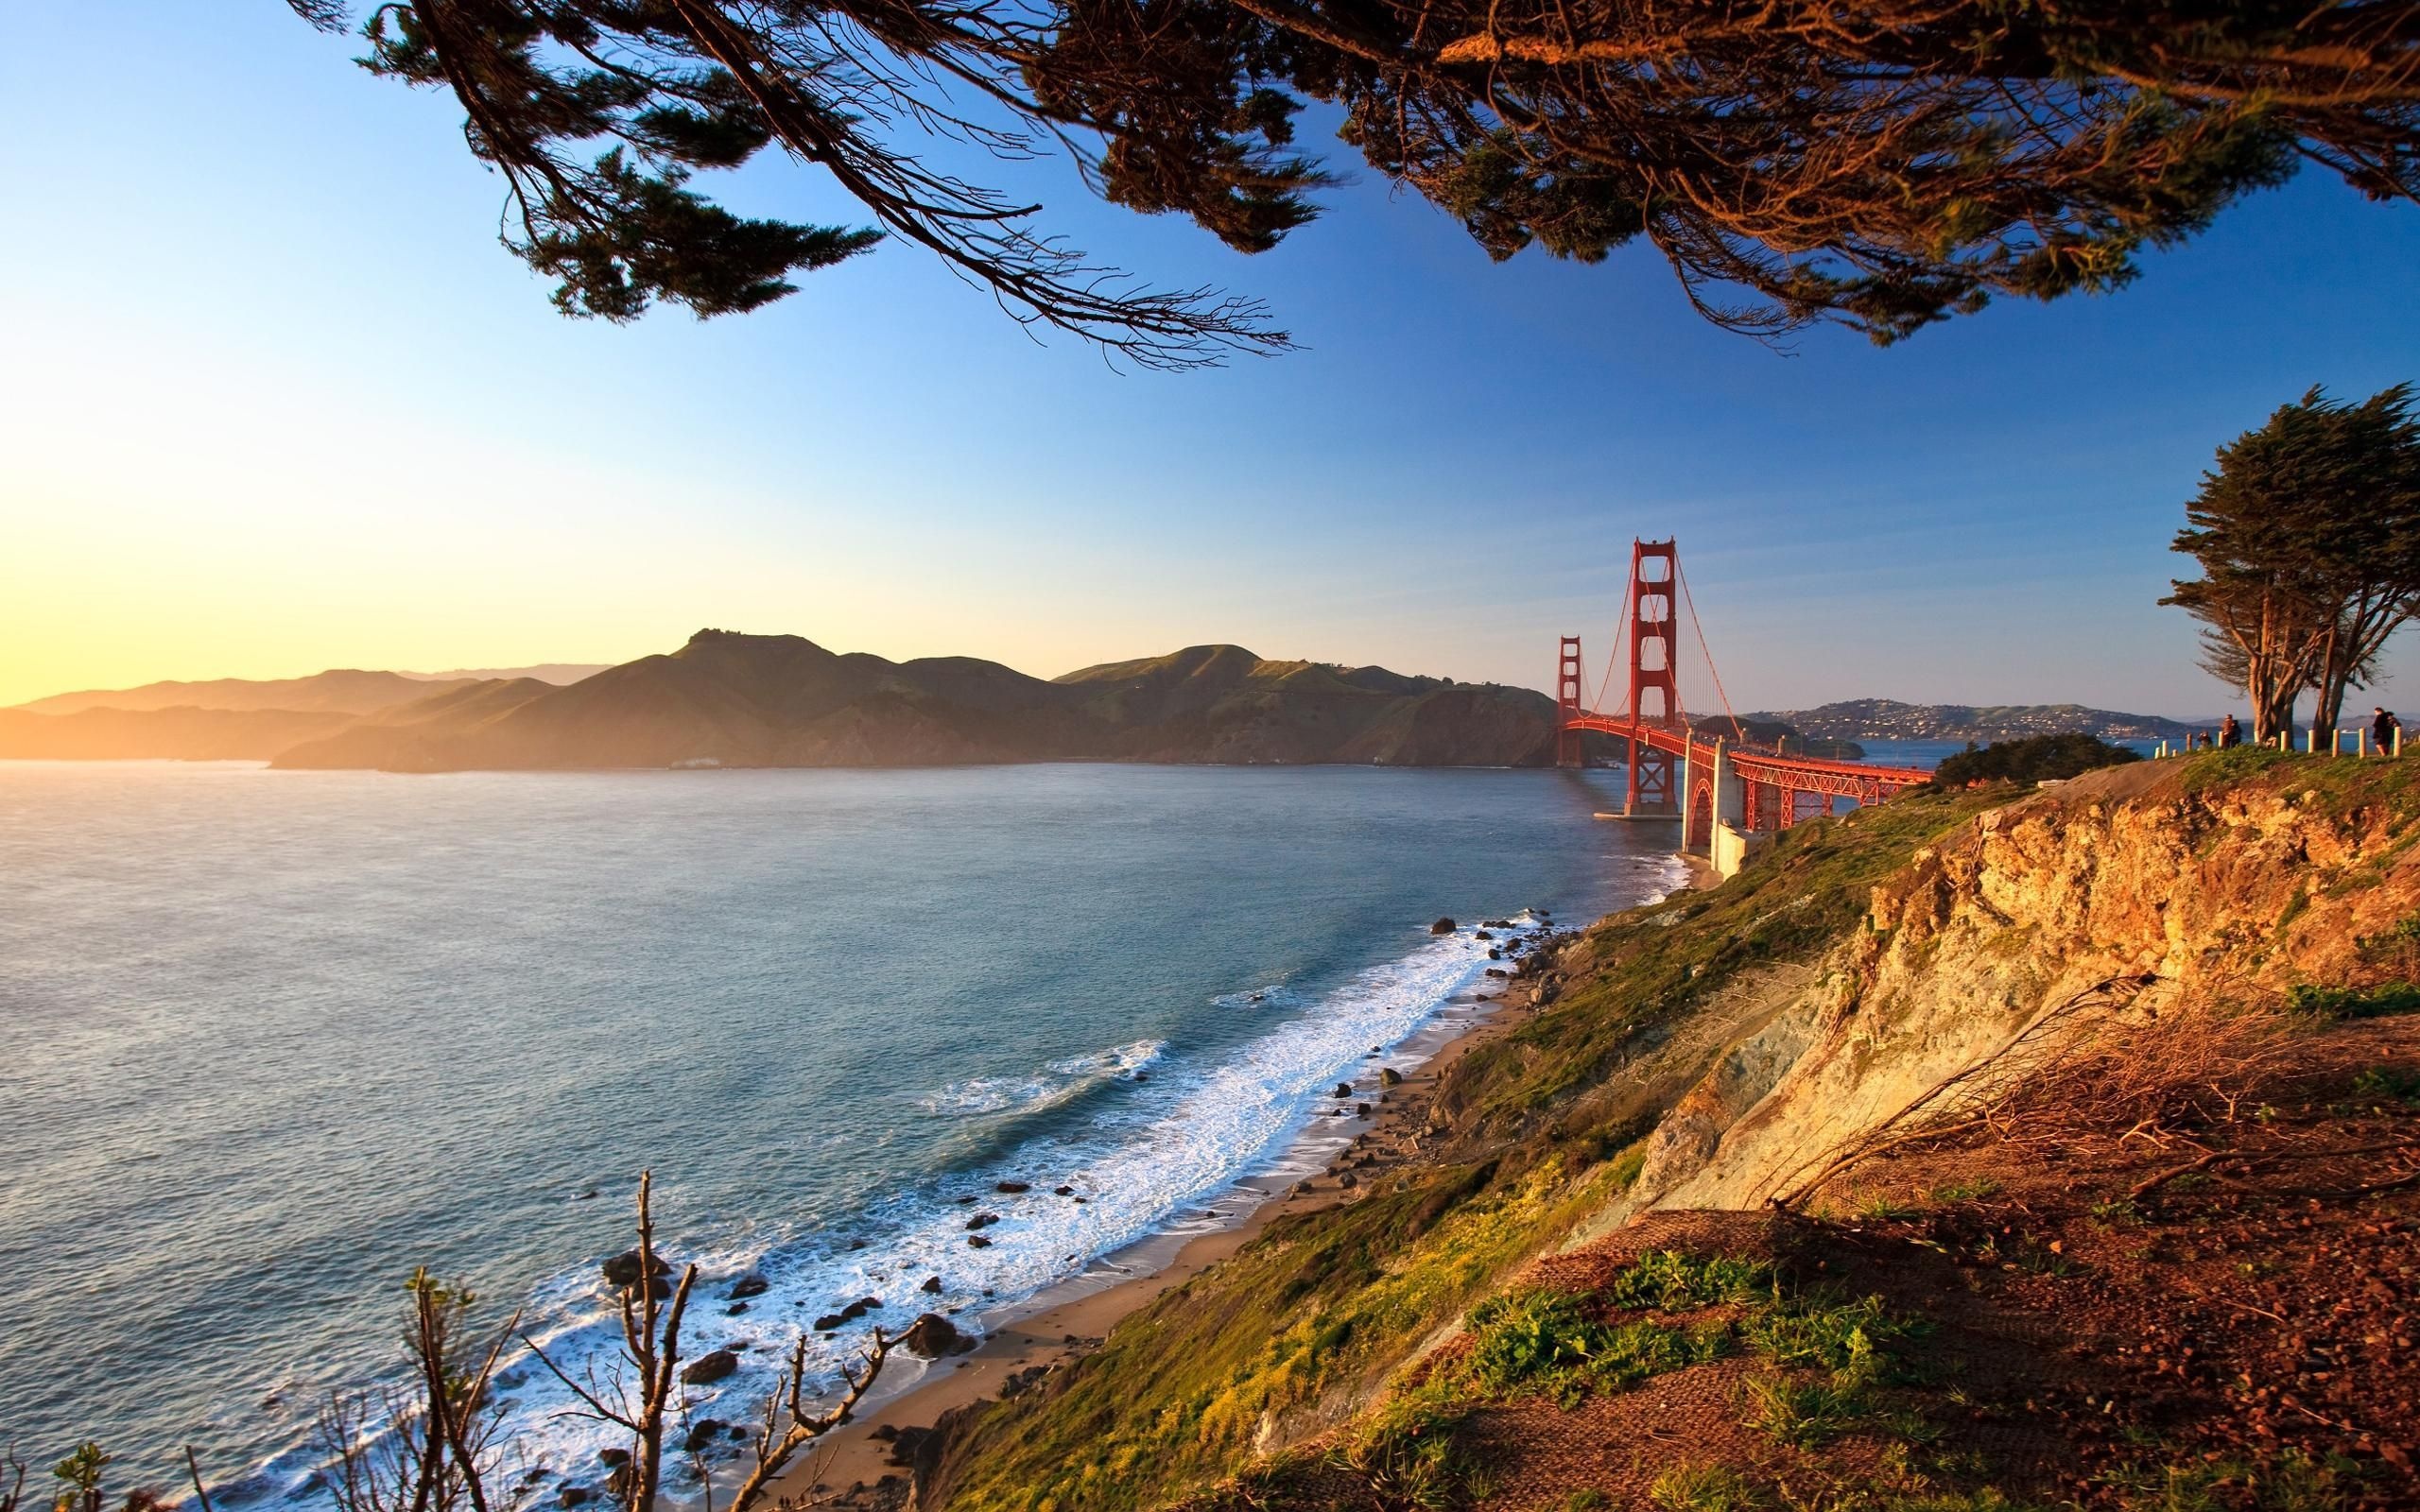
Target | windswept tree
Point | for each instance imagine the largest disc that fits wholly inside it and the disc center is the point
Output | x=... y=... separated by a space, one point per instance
x=1884 y=164
x=2307 y=533
x=426 y=1444
x=642 y=1396
x=640 y=1393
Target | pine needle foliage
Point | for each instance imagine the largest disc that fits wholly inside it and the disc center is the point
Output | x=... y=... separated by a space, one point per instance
x=1883 y=163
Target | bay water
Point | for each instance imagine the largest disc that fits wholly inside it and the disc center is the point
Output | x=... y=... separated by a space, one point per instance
x=268 y=1041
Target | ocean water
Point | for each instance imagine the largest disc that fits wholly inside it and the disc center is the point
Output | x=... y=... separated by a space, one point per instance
x=268 y=1041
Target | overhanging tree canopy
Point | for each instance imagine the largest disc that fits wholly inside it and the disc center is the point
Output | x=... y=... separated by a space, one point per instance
x=1880 y=163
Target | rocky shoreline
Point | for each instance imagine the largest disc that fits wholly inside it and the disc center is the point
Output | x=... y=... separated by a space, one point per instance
x=874 y=1463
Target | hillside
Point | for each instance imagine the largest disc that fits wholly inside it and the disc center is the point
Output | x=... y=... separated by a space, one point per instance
x=559 y=672
x=775 y=700
x=1974 y=1152
x=337 y=691
x=177 y=734
x=1888 y=719
x=1221 y=703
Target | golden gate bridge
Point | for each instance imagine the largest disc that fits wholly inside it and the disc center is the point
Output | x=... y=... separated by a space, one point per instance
x=1695 y=771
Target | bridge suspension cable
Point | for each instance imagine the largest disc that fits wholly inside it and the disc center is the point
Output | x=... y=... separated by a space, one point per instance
x=1614 y=657
x=1739 y=731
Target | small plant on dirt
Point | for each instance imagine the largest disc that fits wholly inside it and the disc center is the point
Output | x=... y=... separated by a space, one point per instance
x=1587 y=1499
x=2388 y=1083
x=2115 y=1211
x=1410 y=1456
x=2043 y=1257
x=1689 y=1487
x=1804 y=1414
x=1950 y=1193
x=2292 y=1481
x=1671 y=1282
x=1882 y=1208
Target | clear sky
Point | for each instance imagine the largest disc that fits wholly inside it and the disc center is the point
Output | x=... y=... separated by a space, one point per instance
x=272 y=399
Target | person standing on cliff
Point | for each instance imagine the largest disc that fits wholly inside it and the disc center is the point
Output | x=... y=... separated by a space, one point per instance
x=2384 y=727
x=2230 y=733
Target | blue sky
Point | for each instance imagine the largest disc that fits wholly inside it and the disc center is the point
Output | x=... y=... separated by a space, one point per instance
x=275 y=399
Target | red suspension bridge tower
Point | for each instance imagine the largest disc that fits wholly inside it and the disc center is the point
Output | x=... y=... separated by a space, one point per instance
x=1654 y=690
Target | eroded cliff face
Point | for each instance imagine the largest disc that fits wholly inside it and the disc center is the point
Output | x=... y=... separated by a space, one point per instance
x=2138 y=886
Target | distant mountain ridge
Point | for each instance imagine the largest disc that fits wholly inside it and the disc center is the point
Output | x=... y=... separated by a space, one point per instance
x=560 y=672
x=731 y=699
x=780 y=700
x=1888 y=719
x=339 y=690
x=154 y=734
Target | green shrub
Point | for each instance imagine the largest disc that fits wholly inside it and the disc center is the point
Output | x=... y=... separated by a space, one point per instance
x=1847 y=1339
x=1672 y=1281
x=2391 y=1082
x=1545 y=1342
x=2338 y=1003
x=2034 y=759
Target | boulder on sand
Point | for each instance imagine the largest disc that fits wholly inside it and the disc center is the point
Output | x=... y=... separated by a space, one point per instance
x=1389 y=1076
x=932 y=1336
x=1343 y=1089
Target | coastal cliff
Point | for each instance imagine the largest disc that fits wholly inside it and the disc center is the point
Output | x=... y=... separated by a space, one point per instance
x=1963 y=1055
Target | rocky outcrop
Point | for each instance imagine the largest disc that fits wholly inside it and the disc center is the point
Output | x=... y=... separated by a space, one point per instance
x=2120 y=894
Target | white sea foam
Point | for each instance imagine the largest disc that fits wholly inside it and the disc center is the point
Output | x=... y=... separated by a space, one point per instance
x=1059 y=1083
x=1148 y=1163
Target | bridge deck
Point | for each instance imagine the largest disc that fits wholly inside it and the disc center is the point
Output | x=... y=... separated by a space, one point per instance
x=1859 y=779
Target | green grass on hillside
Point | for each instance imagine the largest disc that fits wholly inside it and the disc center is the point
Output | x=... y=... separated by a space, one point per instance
x=1176 y=1399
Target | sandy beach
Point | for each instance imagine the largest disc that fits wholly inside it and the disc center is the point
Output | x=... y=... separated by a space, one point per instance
x=860 y=1465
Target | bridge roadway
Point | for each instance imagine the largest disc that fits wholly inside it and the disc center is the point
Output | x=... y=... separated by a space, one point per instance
x=1753 y=770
